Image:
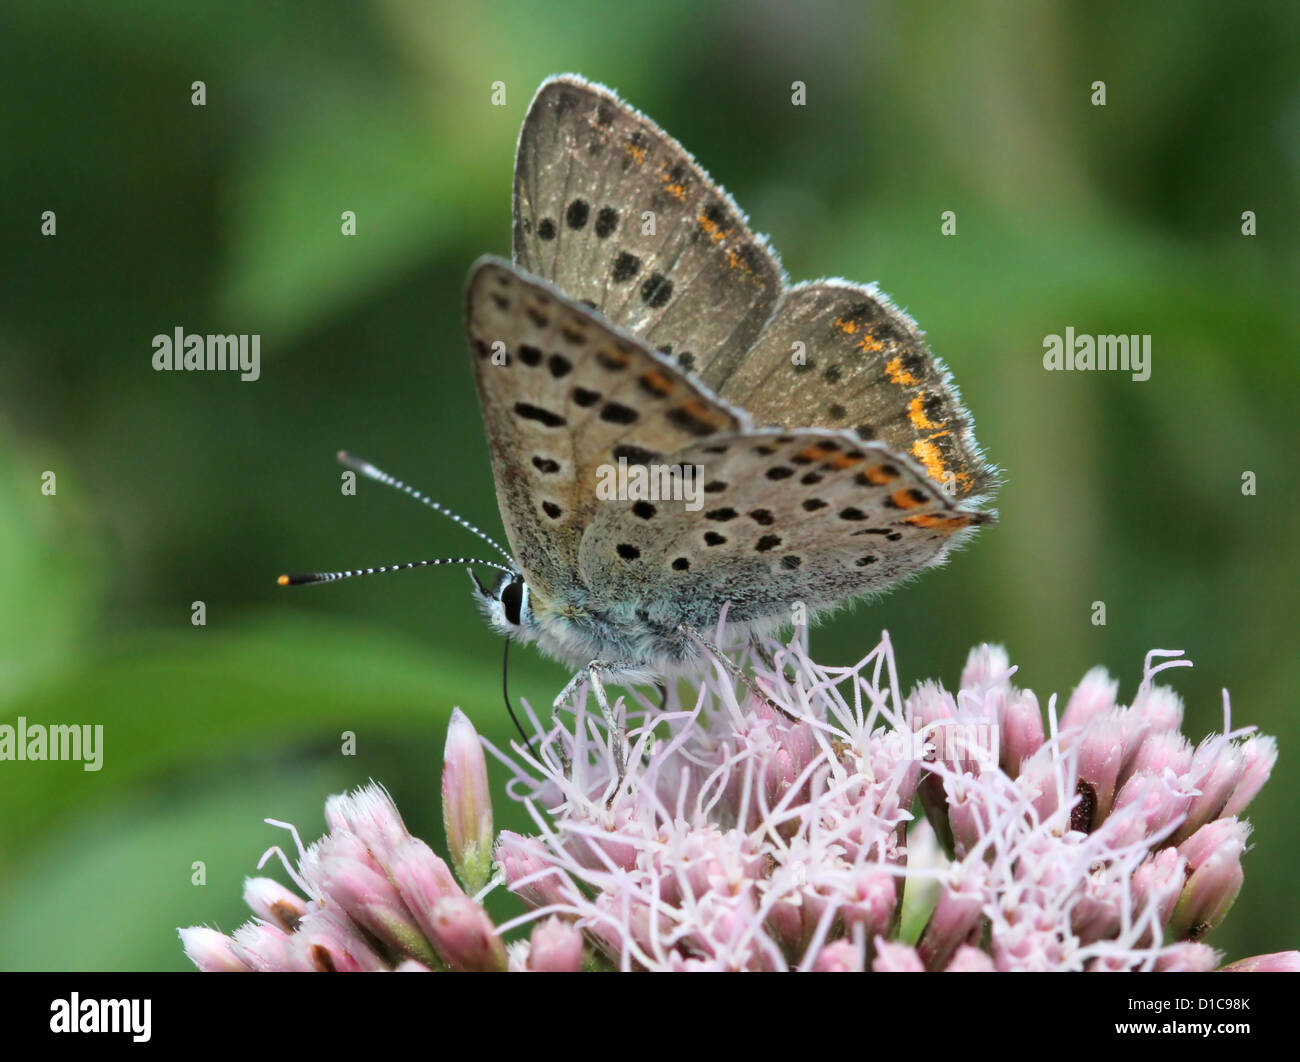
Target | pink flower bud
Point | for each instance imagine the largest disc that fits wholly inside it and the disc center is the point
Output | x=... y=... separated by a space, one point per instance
x=467 y=803
x=328 y=942
x=555 y=947
x=1216 y=770
x=264 y=947
x=271 y=901
x=1187 y=958
x=1101 y=752
x=970 y=960
x=1021 y=731
x=1158 y=881
x=370 y=814
x=986 y=667
x=464 y=935
x=1221 y=835
x=210 y=951
x=529 y=872
x=1211 y=888
x=1276 y=962
x=896 y=958
x=1161 y=751
x=420 y=875
x=1159 y=708
x=872 y=900
x=1258 y=754
x=957 y=915
x=351 y=878
x=839 y=956
x=1092 y=698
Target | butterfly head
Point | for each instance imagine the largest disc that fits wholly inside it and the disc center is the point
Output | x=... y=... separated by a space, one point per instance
x=507 y=607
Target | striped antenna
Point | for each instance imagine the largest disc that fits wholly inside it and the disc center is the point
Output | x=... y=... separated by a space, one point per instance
x=303 y=578
x=368 y=470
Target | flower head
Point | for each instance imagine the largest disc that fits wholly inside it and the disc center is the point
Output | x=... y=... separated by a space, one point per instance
x=774 y=828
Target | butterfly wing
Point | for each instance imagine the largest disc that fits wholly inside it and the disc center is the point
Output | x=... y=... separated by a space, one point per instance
x=563 y=394
x=864 y=367
x=592 y=175
x=811 y=516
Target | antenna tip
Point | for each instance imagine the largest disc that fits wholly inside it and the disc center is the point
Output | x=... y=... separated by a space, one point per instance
x=284 y=580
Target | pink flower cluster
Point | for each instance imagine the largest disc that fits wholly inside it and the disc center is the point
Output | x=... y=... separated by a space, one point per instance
x=775 y=831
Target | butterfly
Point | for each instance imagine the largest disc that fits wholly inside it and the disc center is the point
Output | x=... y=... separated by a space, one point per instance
x=642 y=327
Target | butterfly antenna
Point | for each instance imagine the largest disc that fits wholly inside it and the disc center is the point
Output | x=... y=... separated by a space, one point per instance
x=303 y=578
x=505 y=691
x=368 y=470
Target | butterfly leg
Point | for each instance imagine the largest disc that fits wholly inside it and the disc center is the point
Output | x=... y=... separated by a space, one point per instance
x=591 y=673
x=735 y=671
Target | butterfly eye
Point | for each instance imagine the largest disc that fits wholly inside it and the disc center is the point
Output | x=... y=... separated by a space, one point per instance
x=512 y=600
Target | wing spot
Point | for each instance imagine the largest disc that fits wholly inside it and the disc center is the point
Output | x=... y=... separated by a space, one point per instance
x=790 y=562
x=935 y=522
x=852 y=514
x=721 y=514
x=863 y=561
x=530 y=355
x=836 y=411
x=811 y=505
x=767 y=542
x=626 y=266
x=559 y=365
x=656 y=291
x=628 y=551
x=546 y=465
x=656 y=383
x=502 y=303
x=686 y=360
x=644 y=510
x=538 y=318
x=681 y=564
x=762 y=517
x=546 y=230
x=617 y=413
x=811 y=478
x=576 y=216
x=542 y=416
x=635 y=455
x=606 y=222
x=715 y=486
x=712 y=538
x=908 y=498
x=877 y=477
x=582 y=397
x=552 y=510
x=780 y=472
x=692 y=417
x=613 y=360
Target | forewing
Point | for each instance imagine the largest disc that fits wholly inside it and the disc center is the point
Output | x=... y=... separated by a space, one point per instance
x=588 y=171
x=565 y=395
x=804 y=517
x=840 y=355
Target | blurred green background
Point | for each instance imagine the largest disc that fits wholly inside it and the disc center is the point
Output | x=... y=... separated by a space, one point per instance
x=176 y=487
